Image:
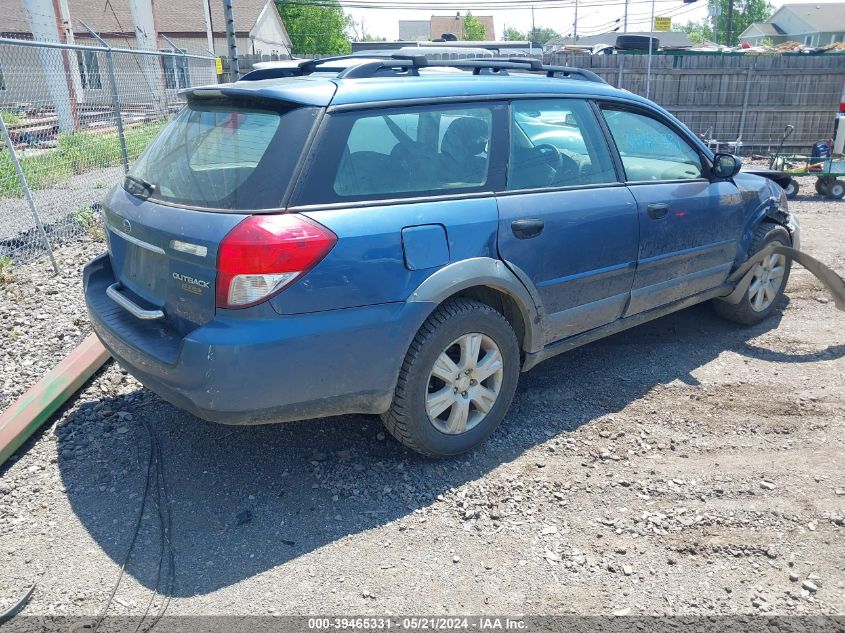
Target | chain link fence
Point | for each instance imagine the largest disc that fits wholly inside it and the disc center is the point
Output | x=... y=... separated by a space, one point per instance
x=74 y=119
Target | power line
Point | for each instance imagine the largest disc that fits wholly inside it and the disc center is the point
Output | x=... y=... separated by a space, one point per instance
x=444 y=5
x=598 y=29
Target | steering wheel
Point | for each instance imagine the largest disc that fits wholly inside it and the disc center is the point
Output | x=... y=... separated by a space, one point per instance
x=552 y=158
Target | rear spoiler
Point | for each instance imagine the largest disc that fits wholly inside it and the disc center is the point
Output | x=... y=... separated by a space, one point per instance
x=296 y=93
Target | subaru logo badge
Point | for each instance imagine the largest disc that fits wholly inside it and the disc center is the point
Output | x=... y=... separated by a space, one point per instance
x=127 y=227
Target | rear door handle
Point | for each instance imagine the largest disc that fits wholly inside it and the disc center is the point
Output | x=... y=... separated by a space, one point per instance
x=657 y=210
x=526 y=229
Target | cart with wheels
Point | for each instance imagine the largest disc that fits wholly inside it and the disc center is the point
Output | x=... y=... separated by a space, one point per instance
x=830 y=185
x=785 y=168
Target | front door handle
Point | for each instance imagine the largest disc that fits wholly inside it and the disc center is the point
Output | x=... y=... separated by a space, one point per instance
x=657 y=210
x=526 y=229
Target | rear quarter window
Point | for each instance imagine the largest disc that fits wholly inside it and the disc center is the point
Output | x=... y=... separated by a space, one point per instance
x=226 y=157
x=406 y=152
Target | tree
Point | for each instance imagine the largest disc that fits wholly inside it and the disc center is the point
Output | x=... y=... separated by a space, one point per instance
x=698 y=32
x=473 y=28
x=541 y=35
x=512 y=35
x=316 y=27
x=358 y=31
x=745 y=12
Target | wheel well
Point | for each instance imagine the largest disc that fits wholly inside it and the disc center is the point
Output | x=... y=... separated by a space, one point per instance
x=502 y=303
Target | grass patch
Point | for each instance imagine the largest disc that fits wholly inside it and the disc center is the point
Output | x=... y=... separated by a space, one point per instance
x=89 y=220
x=5 y=269
x=76 y=153
x=10 y=118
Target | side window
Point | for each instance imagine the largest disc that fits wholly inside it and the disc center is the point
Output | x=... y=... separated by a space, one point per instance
x=651 y=150
x=416 y=151
x=557 y=143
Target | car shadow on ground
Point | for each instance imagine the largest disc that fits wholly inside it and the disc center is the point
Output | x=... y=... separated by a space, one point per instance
x=247 y=499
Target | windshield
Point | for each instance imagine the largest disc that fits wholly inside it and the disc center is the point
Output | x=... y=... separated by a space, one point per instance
x=223 y=157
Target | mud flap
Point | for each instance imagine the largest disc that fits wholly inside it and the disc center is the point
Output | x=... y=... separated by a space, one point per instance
x=743 y=275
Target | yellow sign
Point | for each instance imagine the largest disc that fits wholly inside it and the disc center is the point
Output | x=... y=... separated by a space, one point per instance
x=218 y=65
x=662 y=24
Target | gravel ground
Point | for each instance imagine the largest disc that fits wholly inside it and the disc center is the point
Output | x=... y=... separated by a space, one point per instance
x=42 y=316
x=687 y=466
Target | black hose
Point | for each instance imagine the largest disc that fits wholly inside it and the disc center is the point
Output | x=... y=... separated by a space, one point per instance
x=16 y=608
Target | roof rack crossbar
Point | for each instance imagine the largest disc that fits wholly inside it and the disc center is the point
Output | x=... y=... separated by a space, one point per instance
x=372 y=65
x=373 y=68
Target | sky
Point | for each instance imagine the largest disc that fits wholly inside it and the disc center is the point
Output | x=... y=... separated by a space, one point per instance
x=591 y=20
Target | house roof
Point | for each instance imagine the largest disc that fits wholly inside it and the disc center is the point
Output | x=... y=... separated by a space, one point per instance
x=822 y=17
x=671 y=39
x=113 y=16
x=764 y=28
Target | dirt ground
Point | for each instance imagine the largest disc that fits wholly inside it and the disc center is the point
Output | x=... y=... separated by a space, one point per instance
x=688 y=466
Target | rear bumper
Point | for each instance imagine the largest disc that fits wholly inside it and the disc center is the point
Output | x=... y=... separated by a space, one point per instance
x=255 y=370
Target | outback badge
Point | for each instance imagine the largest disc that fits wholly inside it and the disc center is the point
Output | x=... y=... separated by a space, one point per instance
x=191 y=284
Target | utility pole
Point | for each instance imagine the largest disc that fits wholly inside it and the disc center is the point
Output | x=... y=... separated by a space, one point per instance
x=715 y=10
x=730 y=24
x=234 y=67
x=650 y=46
x=625 y=23
x=575 y=26
x=533 y=28
x=209 y=29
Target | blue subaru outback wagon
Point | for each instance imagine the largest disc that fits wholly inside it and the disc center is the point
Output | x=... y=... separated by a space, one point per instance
x=402 y=237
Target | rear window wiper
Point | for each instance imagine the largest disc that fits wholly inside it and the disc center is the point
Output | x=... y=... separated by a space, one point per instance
x=138 y=187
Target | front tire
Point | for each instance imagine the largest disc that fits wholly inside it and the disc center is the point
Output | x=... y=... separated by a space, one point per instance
x=791 y=189
x=457 y=381
x=769 y=281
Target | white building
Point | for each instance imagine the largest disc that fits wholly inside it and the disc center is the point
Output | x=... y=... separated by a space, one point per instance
x=808 y=24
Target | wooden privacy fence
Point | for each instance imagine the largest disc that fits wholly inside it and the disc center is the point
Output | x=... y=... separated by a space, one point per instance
x=733 y=96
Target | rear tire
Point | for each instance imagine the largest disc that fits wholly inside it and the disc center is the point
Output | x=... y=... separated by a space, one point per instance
x=771 y=275
x=464 y=359
x=836 y=190
x=636 y=43
x=822 y=186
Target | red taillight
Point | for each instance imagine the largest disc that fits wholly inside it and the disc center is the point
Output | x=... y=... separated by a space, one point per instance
x=264 y=254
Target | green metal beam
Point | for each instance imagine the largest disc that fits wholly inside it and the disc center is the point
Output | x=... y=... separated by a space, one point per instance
x=36 y=406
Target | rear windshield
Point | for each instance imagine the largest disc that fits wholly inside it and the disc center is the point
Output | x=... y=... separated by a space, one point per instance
x=224 y=157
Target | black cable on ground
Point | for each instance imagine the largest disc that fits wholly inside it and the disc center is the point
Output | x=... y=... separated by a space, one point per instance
x=155 y=473
x=165 y=543
x=16 y=608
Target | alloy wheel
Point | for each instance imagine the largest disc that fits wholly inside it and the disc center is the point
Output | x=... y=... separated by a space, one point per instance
x=767 y=280
x=464 y=383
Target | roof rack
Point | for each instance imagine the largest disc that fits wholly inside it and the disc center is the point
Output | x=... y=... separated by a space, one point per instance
x=405 y=65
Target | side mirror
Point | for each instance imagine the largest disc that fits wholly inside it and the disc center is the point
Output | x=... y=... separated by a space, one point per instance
x=726 y=166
